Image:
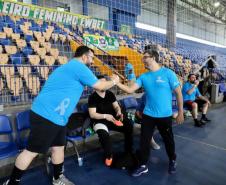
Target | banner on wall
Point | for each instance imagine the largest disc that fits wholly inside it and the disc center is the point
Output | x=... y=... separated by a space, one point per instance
x=102 y=42
x=46 y=14
x=125 y=29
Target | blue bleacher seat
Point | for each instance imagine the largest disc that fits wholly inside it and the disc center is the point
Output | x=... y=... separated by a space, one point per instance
x=17 y=30
x=5 y=42
x=27 y=51
x=22 y=125
x=129 y=103
x=34 y=28
x=1 y=26
x=28 y=38
x=8 y=148
x=17 y=58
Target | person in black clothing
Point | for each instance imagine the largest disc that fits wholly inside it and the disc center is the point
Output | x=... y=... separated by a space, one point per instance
x=104 y=110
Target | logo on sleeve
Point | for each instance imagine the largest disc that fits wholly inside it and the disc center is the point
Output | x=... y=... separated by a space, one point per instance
x=175 y=83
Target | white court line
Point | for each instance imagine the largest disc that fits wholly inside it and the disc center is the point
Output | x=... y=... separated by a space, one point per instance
x=200 y=142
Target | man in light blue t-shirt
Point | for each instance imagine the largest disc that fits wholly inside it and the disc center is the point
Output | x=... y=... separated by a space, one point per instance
x=159 y=83
x=194 y=100
x=52 y=108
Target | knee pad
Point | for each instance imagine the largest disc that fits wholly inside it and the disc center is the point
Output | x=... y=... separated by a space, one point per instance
x=100 y=126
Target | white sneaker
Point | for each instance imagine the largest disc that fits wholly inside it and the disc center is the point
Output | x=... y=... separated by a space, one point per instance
x=6 y=182
x=154 y=145
x=187 y=114
x=62 y=181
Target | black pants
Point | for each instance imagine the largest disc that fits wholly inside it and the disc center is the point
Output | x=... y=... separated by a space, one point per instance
x=164 y=126
x=105 y=140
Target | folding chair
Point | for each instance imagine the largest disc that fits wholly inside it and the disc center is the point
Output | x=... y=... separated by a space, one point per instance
x=76 y=129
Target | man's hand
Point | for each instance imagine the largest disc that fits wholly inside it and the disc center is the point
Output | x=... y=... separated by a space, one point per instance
x=120 y=116
x=110 y=118
x=209 y=104
x=115 y=78
x=139 y=114
x=180 y=117
x=196 y=83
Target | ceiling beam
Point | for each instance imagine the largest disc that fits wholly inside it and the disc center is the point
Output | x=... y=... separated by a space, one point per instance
x=207 y=7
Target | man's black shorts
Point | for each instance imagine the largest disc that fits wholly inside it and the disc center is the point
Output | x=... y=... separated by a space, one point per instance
x=188 y=104
x=44 y=134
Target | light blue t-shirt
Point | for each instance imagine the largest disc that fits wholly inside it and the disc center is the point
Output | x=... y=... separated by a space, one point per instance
x=186 y=97
x=62 y=91
x=158 y=87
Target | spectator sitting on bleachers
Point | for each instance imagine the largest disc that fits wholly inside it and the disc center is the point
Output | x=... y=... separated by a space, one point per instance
x=194 y=100
x=104 y=111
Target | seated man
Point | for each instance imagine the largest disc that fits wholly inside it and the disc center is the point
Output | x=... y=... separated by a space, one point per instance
x=104 y=111
x=194 y=100
x=139 y=115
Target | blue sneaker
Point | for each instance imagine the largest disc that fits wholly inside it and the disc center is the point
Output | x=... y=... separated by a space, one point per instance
x=139 y=171
x=172 y=167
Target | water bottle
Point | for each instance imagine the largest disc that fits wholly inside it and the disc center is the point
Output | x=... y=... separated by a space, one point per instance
x=80 y=161
x=133 y=117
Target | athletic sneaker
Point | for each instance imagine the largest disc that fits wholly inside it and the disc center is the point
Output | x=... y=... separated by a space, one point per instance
x=108 y=161
x=6 y=182
x=154 y=145
x=202 y=122
x=172 y=167
x=139 y=171
x=206 y=119
x=198 y=124
x=62 y=181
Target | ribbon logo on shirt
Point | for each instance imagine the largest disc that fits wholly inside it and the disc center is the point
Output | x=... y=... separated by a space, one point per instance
x=63 y=106
x=159 y=80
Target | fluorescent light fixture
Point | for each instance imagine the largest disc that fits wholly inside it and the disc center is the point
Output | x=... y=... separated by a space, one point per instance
x=178 y=35
x=150 y=28
x=216 y=4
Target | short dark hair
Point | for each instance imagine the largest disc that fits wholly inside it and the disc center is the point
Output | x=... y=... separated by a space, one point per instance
x=153 y=53
x=150 y=47
x=191 y=74
x=100 y=76
x=81 y=50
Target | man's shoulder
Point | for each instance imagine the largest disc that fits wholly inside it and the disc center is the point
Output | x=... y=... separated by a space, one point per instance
x=77 y=63
x=168 y=71
x=144 y=75
x=109 y=92
x=189 y=85
x=93 y=95
x=186 y=84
